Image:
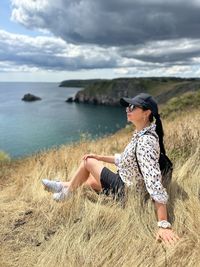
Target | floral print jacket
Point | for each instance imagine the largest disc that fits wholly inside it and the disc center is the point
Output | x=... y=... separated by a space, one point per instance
x=148 y=151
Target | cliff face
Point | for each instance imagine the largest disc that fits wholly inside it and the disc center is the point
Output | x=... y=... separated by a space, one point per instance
x=108 y=92
x=98 y=99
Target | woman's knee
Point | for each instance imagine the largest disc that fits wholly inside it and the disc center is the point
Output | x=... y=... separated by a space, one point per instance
x=89 y=162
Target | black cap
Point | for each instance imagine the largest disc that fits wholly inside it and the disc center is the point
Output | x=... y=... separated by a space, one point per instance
x=142 y=100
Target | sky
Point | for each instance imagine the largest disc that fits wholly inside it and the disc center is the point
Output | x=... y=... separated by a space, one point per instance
x=55 y=40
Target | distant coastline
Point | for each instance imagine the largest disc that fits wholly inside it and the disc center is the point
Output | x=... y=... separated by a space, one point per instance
x=78 y=83
x=108 y=92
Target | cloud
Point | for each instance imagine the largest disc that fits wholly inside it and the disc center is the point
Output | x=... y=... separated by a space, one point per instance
x=51 y=53
x=181 y=51
x=113 y=22
x=21 y=53
x=130 y=37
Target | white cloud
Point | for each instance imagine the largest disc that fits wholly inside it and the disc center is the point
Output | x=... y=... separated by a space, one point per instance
x=121 y=71
x=21 y=53
x=52 y=53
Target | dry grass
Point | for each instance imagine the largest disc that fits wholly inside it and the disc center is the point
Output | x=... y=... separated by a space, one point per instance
x=90 y=230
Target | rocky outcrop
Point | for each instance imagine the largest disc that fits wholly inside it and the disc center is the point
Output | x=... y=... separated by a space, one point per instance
x=30 y=98
x=81 y=97
x=70 y=100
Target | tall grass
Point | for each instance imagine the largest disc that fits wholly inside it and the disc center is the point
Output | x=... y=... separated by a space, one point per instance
x=90 y=229
x=4 y=156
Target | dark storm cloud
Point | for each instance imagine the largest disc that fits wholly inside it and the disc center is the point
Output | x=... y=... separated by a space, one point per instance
x=144 y=35
x=112 y=23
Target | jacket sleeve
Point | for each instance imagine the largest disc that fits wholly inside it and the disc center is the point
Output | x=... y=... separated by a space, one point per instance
x=148 y=151
x=117 y=158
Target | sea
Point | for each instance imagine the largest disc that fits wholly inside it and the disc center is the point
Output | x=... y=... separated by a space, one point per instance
x=30 y=127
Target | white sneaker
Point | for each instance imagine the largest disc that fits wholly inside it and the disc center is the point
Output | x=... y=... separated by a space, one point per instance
x=64 y=194
x=52 y=186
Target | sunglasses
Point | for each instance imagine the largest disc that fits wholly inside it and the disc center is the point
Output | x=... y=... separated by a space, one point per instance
x=131 y=107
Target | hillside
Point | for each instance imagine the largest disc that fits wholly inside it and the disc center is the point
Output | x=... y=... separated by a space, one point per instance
x=77 y=83
x=108 y=92
x=92 y=230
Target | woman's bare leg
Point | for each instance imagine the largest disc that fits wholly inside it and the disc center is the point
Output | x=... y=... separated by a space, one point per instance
x=90 y=182
x=88 y=172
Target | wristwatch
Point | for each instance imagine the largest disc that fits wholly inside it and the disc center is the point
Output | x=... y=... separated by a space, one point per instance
x=164 y=224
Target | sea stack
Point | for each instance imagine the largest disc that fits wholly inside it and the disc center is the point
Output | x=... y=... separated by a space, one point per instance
x=30 y=98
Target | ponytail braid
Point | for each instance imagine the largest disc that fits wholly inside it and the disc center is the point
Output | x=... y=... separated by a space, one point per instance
x=160 y=133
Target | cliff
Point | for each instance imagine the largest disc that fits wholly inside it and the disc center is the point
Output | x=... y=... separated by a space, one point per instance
x=108 y=92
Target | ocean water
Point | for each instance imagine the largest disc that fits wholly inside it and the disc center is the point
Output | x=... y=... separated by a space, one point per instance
x=29 y=127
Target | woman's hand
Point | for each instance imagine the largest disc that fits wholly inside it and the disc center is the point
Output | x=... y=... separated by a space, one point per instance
x=94 y=156
x=166 y=235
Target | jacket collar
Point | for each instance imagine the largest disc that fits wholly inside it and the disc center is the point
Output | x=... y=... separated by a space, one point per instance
x=150 y=128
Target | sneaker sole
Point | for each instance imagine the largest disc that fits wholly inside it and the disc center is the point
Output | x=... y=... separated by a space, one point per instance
x=46 y=188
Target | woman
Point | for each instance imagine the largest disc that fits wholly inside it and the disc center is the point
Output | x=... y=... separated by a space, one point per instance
x=148 y=138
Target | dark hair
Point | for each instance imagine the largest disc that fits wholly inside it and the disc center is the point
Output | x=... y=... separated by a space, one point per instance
x=151 y=117
x=160 y=133
x=159 y=130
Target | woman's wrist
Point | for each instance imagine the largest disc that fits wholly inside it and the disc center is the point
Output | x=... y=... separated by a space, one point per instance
x=164 y=224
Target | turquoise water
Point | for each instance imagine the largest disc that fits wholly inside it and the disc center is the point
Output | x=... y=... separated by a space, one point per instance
x=26 y=128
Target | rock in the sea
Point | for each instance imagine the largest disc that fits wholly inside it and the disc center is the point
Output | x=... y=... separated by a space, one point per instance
x=30 y=97
x=69 y=100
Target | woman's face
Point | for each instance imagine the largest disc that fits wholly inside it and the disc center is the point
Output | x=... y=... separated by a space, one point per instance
x=137 y=114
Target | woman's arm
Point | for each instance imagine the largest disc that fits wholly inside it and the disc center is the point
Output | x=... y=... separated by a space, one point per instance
x=161 y=211
x=165 y=234
x=148 y=155
x=148 y=152
x=108 y=159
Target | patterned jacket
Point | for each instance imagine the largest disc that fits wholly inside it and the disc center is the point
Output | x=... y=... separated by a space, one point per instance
x=148 y=151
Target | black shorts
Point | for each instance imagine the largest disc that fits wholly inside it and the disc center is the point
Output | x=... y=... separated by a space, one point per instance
x=112 y=184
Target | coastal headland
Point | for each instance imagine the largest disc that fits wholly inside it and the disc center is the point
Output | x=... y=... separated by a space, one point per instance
x=108 y=92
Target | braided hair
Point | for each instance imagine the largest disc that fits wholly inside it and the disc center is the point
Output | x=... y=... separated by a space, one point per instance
x=160 y=133
x=159 y=130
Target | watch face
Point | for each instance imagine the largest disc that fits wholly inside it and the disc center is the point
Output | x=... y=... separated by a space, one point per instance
x=164 y=224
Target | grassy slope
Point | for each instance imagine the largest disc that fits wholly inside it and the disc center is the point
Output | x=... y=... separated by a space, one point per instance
x=184 y=102
x=93 y=231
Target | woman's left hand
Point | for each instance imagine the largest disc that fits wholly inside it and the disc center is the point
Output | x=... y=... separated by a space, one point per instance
x=94 y=156
x=167 y=235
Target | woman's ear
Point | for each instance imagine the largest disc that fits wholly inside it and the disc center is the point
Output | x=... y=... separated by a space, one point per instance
x=148 y=112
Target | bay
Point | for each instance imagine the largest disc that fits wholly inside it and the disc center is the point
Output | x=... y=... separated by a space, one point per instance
x=29 y=127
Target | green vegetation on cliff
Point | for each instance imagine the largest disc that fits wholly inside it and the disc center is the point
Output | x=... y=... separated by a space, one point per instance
x=108 y=92
x=131 y=85
x=77 y=83
x=185 y=102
